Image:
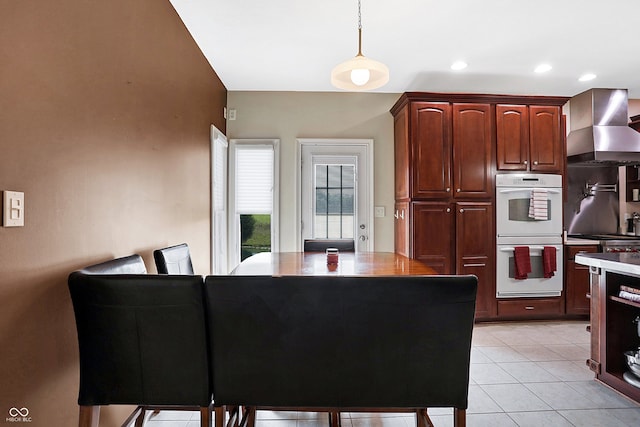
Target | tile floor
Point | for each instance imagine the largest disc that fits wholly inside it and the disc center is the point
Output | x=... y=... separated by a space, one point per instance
x=522 y=374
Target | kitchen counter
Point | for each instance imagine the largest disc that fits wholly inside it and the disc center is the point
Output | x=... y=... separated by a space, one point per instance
x=570 y=241
x=620 y=262
x=612 y=317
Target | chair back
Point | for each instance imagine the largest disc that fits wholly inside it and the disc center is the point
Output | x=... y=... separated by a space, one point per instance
x=346 y=342
x=321 y=245
x=173 y=260
x=141 y=338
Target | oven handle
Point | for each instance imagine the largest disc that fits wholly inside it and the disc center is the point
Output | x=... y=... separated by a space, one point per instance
x=535 y=248
x=515 y=190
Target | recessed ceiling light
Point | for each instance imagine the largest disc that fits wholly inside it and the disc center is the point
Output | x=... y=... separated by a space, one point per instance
x=459 y=65
x=543 y=68
x=587 y=77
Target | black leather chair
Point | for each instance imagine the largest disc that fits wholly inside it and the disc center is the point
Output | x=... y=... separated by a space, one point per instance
x=342 y=343
x=173 y=260
x=142 y=340
x=321 y=245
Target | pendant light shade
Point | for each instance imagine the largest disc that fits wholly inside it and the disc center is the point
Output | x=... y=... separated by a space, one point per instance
x=360 y=73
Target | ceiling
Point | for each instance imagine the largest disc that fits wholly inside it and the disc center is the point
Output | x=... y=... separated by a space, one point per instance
x=289 y=45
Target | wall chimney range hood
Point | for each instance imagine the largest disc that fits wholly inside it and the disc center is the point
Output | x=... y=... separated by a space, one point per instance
x=600 y=132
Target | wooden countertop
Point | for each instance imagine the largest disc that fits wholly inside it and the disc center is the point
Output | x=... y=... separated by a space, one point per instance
x=315 y=264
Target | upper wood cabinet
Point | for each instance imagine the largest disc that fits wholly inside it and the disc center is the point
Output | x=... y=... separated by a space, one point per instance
x=430 y=149
x=528 y=138
x=472 y=154
x=443 y=150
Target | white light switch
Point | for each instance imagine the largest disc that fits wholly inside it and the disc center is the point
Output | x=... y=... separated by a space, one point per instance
x=13 y=215
x=379 y=212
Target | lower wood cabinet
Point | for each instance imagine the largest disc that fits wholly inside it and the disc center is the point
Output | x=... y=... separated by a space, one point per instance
x=576 y=281
x=457 y=238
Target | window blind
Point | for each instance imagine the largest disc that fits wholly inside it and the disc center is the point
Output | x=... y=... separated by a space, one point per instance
x=254 y=179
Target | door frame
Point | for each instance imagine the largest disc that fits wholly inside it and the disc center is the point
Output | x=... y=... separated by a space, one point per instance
x=217 y=135
x=360 y=143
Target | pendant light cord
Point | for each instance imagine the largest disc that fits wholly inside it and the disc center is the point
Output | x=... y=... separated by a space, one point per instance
x=359 y=31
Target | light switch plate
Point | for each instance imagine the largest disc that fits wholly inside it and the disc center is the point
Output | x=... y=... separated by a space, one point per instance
x=13 y=211
x=379 y=211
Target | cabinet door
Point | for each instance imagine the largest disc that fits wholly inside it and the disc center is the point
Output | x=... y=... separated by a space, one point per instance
x=475 y=251
x=433 y=235
x=577 y=280
x=401 y=153
x=431 y=150
x=402 y=237
x=545 y=142
x=472 y=151
x=512 y=137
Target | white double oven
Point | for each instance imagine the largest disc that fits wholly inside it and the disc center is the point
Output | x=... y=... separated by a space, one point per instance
x=515 y=227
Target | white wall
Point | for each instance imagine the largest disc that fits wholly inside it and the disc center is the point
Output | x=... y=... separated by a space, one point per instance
x=291 y=115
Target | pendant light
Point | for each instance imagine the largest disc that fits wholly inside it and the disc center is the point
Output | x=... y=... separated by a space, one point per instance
x=360 y=73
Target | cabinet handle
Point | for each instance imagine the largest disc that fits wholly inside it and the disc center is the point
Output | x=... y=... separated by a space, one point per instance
x=526 y=162
x=461 y=210
x=458 y=190
x=448 y=189
x=529 y=307
x=535 y=163
x=588 y=295
x=448 y=209
x=395 y=215
x=402 y=214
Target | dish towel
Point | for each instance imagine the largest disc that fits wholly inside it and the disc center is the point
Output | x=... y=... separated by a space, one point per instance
x=538 y=204
x=522 y=262
x=549 y=261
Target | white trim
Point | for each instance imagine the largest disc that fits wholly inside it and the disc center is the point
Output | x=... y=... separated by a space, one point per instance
x=218 y=136
x=234 y=231
x=367 y=144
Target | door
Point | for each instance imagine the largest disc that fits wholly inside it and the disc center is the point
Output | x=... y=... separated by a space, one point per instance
x=335 y=191
x=546 y=147
x=219 y=237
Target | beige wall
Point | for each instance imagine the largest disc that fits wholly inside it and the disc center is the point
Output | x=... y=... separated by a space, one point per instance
x=105 y=110
x=291 y=115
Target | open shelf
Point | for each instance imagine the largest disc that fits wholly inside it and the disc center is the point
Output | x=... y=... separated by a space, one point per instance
x=624 y=301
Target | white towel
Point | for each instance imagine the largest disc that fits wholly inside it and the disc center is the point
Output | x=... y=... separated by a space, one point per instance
x=538 y=204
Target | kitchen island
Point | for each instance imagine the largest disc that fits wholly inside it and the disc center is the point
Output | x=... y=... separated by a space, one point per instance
x=613 y=315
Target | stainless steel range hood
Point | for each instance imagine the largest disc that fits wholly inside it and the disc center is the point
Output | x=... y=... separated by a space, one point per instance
x=600 y=132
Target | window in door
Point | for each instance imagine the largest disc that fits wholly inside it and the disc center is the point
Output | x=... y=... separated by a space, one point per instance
x=334 y=201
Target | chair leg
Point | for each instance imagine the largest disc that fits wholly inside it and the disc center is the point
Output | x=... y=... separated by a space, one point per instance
x=89 y=416
x=140 y=417
x=334 y=419
x=422 y=418
x=459 y=417
x=205 y=416
x=221 y=416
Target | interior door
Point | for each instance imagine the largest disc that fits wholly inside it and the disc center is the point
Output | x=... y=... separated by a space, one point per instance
x=335 y=191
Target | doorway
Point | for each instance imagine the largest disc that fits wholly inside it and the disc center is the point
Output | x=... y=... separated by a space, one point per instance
x=335 y=190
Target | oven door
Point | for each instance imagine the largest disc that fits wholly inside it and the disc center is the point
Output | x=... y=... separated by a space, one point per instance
x=535 y=285
x=512 y=213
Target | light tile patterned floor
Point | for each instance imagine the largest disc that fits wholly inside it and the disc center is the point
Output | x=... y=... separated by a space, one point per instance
x=522 y=374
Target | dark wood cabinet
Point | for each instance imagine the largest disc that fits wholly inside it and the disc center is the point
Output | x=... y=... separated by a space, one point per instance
x=475 y=251
x=545 y=143
x=529 y=138
x=430 y=150
x=472 y=151
x=445 y=160
x=512 y=137
x=576 y=281
x=402 y=229
x=432 y=231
